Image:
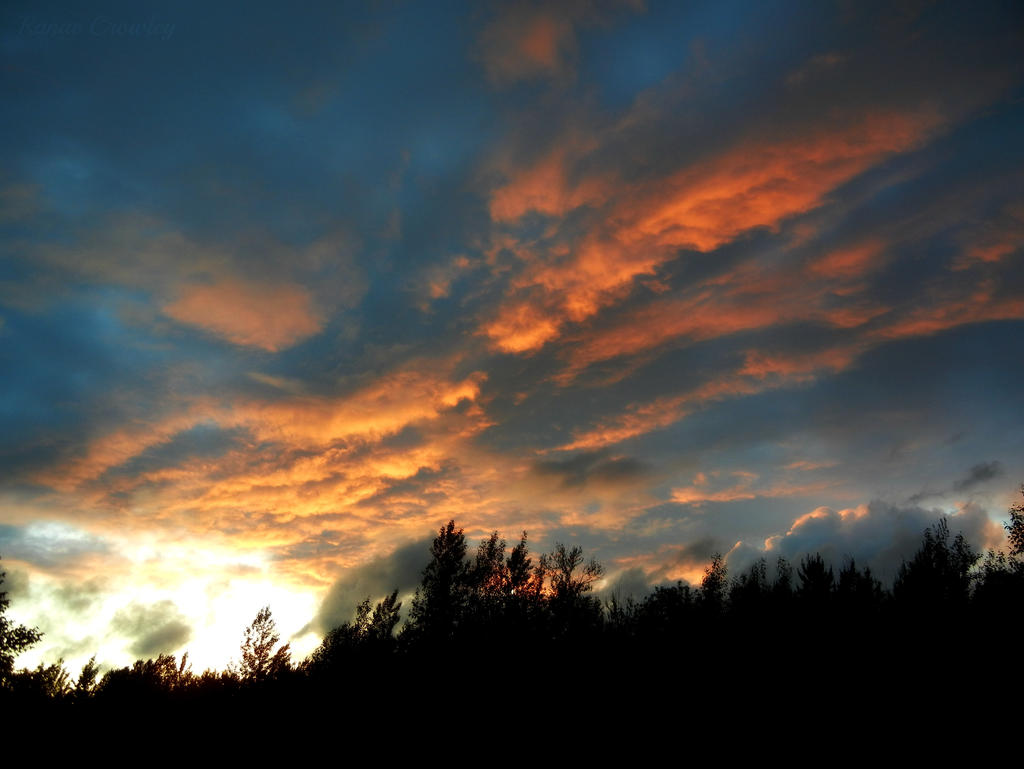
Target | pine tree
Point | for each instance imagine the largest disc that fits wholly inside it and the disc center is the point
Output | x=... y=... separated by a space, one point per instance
x=441 y=602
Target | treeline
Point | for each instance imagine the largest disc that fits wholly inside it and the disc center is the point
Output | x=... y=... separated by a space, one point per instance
x=503 y=616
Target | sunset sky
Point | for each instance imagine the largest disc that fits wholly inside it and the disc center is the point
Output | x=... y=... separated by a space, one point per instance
x=283 y=291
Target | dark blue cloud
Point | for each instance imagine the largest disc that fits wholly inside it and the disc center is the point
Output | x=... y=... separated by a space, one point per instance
x=49 y=545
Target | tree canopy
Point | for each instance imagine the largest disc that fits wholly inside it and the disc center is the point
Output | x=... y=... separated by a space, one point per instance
x=502 y=606
x=441 y=601
x=259 y=659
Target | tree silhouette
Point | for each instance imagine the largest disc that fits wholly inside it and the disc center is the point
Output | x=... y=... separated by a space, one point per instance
x=500 y=606
x=1015 y=529
x=748 y=591
x=384 y=620
x=666 y=611
x=376 y=625
x=49 y=681
x=999 y=581
x=145 y=679
x=259 y=660
x=442 y=599
x=782 y=588
x=569 y=576
x=816 y=580
x=938 y=576
x=714 y=584
x=857 y=592
x=14 y=638
x=489 y=574
x=87 y=678
x=523 y=580
x=370 y=633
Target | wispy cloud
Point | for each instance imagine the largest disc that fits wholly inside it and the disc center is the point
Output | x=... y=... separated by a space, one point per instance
x=270 y=317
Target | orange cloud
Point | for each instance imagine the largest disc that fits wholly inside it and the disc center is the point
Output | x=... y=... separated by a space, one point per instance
x=533 y=40
x=761 y=182
x=980 y=306
x=267 y=316
x=760 y=371
x=808 y=465
x=795 y=367
x=638 y=419
x=308 y=469
x=853 y=314
x=436 y=280
x=380 y=409
x=754 y=297
x=745 y=489
x=545 y=188
x=996 y=240
x=119 y=446
x=851 y=262
x=992 y=252
x=521 y=327
x=673 y=562
x=305 y=423
x=523 y=43
x=756 y=183
x=746 y=299
x=700 y=317
x=641 y=418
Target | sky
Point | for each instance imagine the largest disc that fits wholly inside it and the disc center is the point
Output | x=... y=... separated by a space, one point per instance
x=283 y=291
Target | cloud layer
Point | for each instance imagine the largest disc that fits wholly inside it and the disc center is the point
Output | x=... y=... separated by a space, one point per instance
x=279 y=297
